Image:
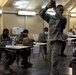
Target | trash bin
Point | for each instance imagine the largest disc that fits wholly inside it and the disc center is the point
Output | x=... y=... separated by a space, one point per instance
x=73 y=66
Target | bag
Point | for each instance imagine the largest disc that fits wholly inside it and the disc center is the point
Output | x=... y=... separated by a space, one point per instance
x=27 y=42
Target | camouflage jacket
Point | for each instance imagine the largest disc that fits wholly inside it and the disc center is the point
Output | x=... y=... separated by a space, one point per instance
x=24 y=40
x=56 y=22
x=5 y=41
x=42 y=37
x=19 y=39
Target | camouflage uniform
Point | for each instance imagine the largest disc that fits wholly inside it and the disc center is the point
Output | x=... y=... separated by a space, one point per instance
x=8 y=55
x=23 y=53
x=43 y=38
x=56 y=25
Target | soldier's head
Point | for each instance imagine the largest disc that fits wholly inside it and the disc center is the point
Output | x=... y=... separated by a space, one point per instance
x=25 y=33
x=61 y=8
x=5 y=32
x=46 y=30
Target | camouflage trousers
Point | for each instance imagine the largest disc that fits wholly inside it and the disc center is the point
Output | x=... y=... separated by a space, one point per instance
x=53 y=56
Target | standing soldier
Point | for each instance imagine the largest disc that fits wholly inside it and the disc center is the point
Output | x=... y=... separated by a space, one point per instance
x=56 y=25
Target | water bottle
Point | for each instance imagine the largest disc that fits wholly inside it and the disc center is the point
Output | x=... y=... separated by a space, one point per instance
x=13 y=42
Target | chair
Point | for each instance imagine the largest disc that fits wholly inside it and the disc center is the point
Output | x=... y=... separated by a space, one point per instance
x=38 y=47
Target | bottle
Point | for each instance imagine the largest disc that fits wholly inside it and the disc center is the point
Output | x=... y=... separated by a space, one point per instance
x=13 y=42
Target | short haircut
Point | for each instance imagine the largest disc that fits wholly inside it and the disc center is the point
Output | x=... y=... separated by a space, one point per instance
x=45 y=28
x=25 y=31
x=59 y=6
x=5 y=30
x=71 y=29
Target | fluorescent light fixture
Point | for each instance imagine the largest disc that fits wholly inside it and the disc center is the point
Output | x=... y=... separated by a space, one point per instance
x=20 y=4
x=0 y=11
x=51 y=13
x=26 y=13
x=43 y=6
x=50 y=9
x=73 y=15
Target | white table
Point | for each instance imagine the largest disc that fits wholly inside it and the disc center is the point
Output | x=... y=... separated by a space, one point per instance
x=16 y=48
x=71 y=39
x=74 y=36
x=39 y=43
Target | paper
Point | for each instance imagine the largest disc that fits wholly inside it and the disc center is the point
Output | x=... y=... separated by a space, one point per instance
x=36 y=49
x=16 y=30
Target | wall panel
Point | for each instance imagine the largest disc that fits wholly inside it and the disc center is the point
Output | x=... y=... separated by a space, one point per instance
x=13 y=20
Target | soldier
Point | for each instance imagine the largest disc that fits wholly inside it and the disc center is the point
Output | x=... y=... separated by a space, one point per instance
x=43 y=38
x=9 y=56
x=23 y=39
x=56 y=25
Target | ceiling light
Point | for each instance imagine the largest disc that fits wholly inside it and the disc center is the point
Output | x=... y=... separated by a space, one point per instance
x=51 y=13
x=20 y=4
x=0 y=11
x=26 y=13
x=50 y=9
x=73 y=15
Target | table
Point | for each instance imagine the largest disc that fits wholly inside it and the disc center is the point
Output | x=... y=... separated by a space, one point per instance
x=39 y=43
x=16 y=48
x=74 y=36
x=71 y=39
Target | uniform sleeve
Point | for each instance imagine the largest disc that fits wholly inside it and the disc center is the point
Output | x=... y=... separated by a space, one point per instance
x=57 y=11
x=1 y=42
x=41 y=37
x=18 y=39
x=44 y=15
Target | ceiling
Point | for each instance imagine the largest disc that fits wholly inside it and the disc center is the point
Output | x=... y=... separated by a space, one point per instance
x=37 y=4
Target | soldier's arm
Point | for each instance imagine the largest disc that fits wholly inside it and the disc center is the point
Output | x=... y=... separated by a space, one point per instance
x=43 y=13
x=2 y=43
x=18 y=39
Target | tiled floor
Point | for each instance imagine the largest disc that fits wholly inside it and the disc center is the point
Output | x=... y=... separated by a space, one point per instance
x=41 y=67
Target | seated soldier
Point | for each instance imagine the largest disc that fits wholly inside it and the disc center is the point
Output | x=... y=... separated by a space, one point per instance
x=24 y=53
x=43 y=38
x=9 y=57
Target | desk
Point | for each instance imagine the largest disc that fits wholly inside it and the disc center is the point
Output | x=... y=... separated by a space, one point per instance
x=71 y=39
x=16 y=48
x=74 y=36
x=39 y=43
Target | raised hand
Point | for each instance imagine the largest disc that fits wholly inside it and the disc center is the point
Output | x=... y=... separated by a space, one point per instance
x=49 y=5
x=53 y=3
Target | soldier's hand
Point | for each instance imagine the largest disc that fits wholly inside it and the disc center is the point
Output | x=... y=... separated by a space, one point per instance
x=51 y=4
